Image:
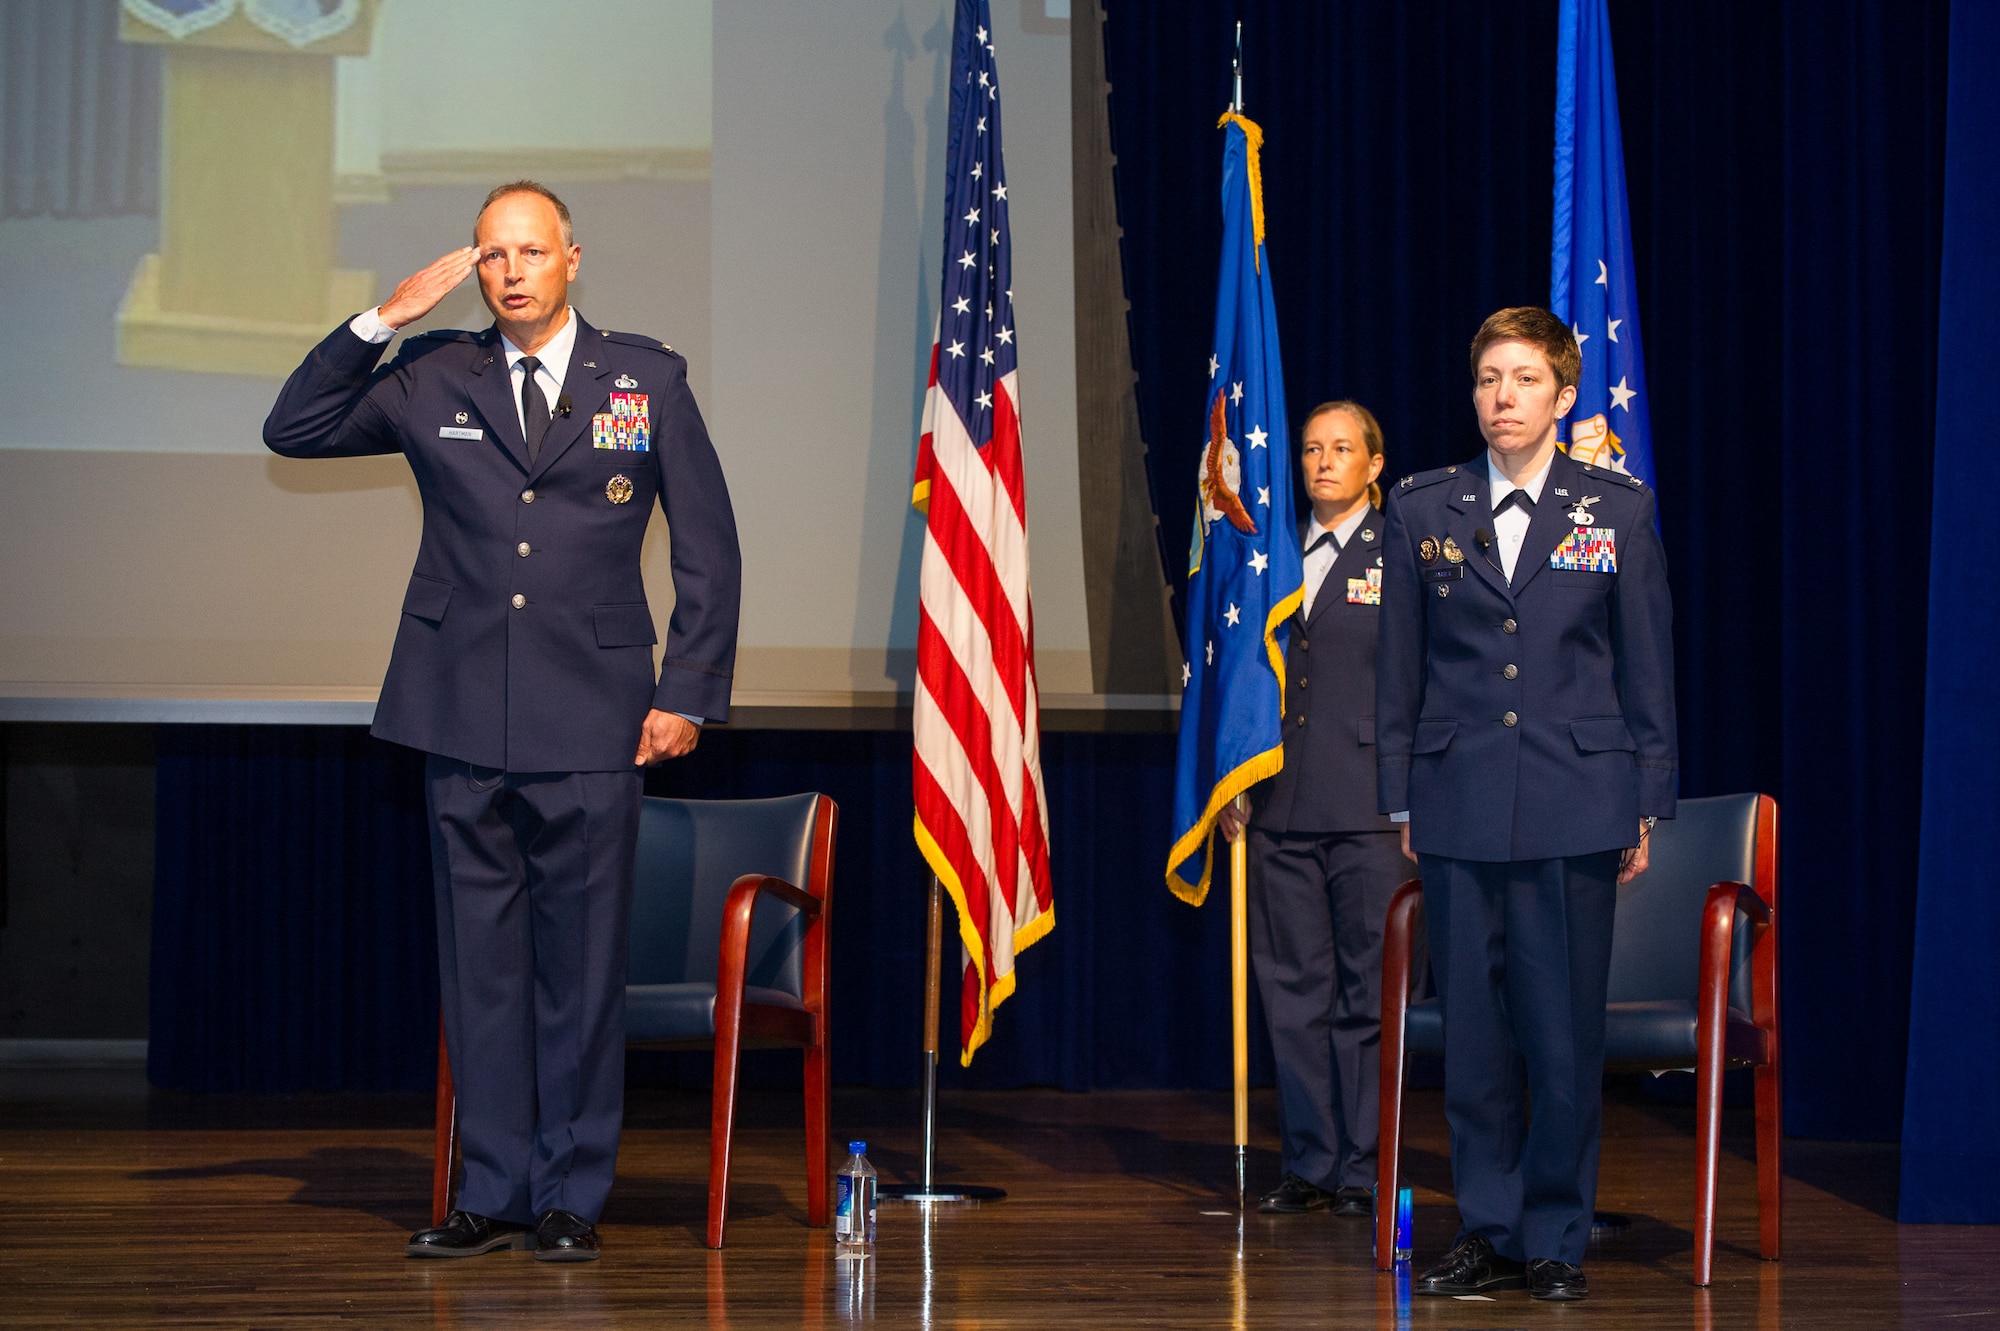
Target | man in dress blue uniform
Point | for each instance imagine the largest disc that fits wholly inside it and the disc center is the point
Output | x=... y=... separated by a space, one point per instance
x=1323 y=862
x=523 y=666
x=1525 y=728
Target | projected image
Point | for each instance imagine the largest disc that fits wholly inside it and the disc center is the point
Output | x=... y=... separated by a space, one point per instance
x=216 y=183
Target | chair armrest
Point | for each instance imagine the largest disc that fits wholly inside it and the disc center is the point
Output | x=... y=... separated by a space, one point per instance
x=750 y=885
x=732 y=951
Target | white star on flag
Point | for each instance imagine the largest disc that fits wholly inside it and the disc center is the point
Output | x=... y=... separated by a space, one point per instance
x=984 y=399
x=1211 y=651
x=962 y=305
x=966 y=260
x=1264 y=495
x=1187 y=673
x=1257 y=437
x=1603 y=276
x=1233 y=615
x=1614 y=326
x=1260 y=561
x=1580 y=336
x=1213 y=366
x=1621 y=396
x=955 y=349
x=971 y=216
x=1236 y=393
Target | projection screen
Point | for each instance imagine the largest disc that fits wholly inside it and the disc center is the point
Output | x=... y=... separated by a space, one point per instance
x=756 y=183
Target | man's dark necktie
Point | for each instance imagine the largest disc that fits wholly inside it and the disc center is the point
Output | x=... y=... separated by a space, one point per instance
x=1522 y=498
x=534 y=408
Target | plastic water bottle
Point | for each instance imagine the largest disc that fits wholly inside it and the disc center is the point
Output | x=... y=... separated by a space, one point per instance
x=854 y=1201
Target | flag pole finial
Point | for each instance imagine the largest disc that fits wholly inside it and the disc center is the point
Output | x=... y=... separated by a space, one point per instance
x=1236 y=105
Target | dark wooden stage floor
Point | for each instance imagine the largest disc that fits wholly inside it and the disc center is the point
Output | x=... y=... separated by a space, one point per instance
x=126 y=1209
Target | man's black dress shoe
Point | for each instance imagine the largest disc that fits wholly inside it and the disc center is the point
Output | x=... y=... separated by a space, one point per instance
x=1295 y=1196
x=464 y=1234
x=1471 y=1268
x=1556 y=1281
x=1353 y=1202
x=561 y=1237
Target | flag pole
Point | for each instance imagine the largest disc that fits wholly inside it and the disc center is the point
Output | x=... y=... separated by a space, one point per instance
x=928 y=1190
x=1239 y=900
x=1239 y=992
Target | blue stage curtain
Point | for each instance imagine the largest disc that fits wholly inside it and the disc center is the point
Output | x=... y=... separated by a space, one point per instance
x=1951 y=1162
x=1784 y=173
x=294 y=943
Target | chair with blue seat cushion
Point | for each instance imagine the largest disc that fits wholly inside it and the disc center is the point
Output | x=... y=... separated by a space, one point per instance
x=1694 y=984
x=729 y=950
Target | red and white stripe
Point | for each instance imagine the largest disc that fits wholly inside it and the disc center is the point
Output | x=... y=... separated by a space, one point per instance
x=982 y=819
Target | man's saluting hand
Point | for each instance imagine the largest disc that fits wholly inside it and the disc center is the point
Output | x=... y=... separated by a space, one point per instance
x=419 y=293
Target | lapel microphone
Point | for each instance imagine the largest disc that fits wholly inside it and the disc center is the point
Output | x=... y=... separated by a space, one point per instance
x=1483 y=536
x=562 y=405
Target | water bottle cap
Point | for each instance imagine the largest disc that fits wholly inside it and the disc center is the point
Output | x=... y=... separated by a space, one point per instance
x=857 y=1148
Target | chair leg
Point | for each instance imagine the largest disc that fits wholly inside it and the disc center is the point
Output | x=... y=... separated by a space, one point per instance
x=1708 y=1149
x=1770 y=1168
x=819 y=1088
x=444 y=1139
x=722 y=1112
x=1388 y=1160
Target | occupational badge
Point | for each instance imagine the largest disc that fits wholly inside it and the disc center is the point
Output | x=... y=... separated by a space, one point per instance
x=1427 y=550
x=626 y=381
x=618 y=489
x=1580 y=515
x=1452 y=552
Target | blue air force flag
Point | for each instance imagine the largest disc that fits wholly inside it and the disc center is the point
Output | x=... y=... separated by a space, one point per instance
x=1591 y=282
x=1244 y=574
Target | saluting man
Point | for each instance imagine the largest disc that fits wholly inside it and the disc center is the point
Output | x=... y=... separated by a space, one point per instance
x=1525 y=727
x=523 y=666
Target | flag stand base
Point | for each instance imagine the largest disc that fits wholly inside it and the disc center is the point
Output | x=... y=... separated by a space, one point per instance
x=930 y=1190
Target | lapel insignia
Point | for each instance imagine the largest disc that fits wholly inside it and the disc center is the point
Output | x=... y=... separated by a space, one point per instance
x=1427 y=550
x=1468 y=499
x=590 y=365
x=1367 y=533
x=1409 y=481
x=626 y=381
x=618 y=489
x=1562 y=492
x=1452 y=552
x=460 y=418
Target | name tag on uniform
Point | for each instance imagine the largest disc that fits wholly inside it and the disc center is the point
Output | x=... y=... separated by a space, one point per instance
x=1365 y=591
x=627 y=427
x=1444 y=573
x=1587 y=550
x=456 y=432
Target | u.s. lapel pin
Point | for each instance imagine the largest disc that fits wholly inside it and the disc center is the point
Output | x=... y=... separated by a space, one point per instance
x=626 y=381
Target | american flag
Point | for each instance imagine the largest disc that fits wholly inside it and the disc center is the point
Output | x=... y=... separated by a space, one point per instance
x=982 y=821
